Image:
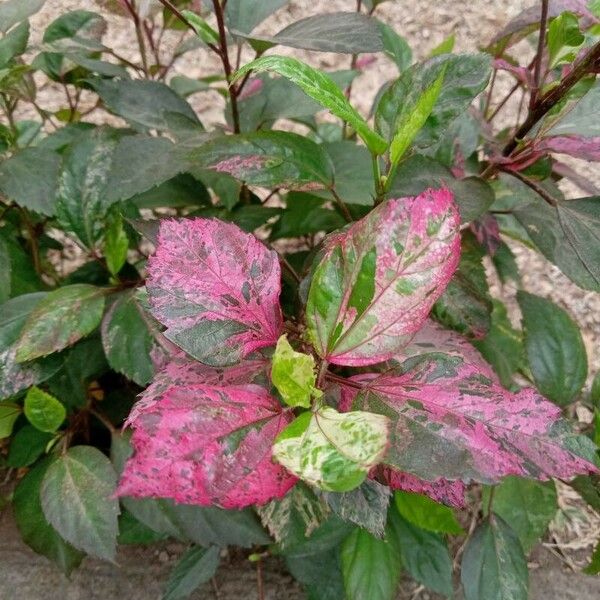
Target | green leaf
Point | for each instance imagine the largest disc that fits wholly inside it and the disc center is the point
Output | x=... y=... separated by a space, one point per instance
x=465 y=76
x=178 y=191
x=20 y=272
x=425 y=513
x=332 y=450
x=319 y=574
x=245 y=15
x=15 y=377
x=528 y=505
x=13 y=314
x=203 y=30
x=554 y=347
x=15 y=11
x=26 y=446
x=116 y=243
x=424 y=555
x=494 y=566
x=371 y=566
x=146 y=104
x=395 y=46
x=445 y=46
x=77 y=499
x=295 y=516
x=132 y=531
x=35 y=530
x=343 y=32
x=563 y=39
x=502 y=347
x=411 y=118
x=14 y=43
x=43 y=411
x=30 y=178
x=594 y=567
x=567 y=234
x=305 y=215
x=60 y=319
x=293 y=374
x=321 y=88
x=365 y=506
x=417 y=173
x=9 y=413
x=466 y=304
x=127 y=339
x=269 y=159
x=194 y=568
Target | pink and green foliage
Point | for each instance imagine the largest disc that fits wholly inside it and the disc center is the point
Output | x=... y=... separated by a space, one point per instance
x=208 y=445
x=216 y=290
x=377 y=281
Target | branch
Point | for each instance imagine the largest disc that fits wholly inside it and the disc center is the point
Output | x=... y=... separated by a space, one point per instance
x=534 y=186
x=539 y=55
x=552 y=97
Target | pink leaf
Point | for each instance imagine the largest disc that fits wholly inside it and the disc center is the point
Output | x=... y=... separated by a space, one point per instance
x=377 y=281
x=208 y=445
x=215 y=288
x=441 y=490
x=450 y=420
x=573 y=145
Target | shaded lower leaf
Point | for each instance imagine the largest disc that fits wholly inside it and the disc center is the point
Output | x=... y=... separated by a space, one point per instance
x=425 y=513
x=27 y=445
x=319 y=574
x=9 y=413
x=493 y=565
x=194 y=568
x=37 y=533
x=60 y=319
x=77 y=499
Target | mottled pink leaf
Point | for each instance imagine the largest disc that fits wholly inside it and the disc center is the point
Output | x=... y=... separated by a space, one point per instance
x=180 y=371
x=215 y=288
x=450 y=420
x=441 y=490
x=573 y=145
x=208 y=445
x=377 y=281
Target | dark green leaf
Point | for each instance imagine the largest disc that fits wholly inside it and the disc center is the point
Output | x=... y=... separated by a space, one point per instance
x=77 y=499
x=194 y=568
x=274 y=158
x=37 y=533
x=493 y=565
x=319 y=87
x=424 y=555
x=395 y=46
x=30 y=178
x=60 y=319
x=132 y=531
x=245 y=15
x=344 y=32
x=15 y=11
x=417 y=173
x=366 y=506
x=13 y=314
x=14 y=43
x=466 y=304
x=588 y=487
x=146 y=104
x=579 y=119
x=323 y=539
x=27 y=445
x=502 y=347
x=43 y=411
x=425 y=513
x=127 y=339
x=594 y=567
x=528 y=505
x=370 y=566
x=319 y=574
x=555 y=349
x=20 y=272
x=178 y=191
x=305 y=215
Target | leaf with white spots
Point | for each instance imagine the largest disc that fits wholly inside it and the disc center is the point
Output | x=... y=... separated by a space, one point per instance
x=377 y=281
x=215 y=288
x=332 y=450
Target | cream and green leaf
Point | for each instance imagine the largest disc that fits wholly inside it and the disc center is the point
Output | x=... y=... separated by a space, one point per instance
x=331 y=450
x=293 y=374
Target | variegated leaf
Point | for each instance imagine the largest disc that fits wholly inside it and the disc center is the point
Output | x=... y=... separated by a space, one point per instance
x=377 y=281
x=450 y=420
x=215 y=288
x=207 y=445
x=332 y=450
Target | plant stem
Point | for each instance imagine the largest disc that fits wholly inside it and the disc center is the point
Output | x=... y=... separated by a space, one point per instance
x=322 y=373
x=550 y=99
x=379 y=189
x=233 y=90
x=139 y=34
x=534 y=186
x=341 y=205
x=33 y=242
x=488 y=100
x=537 y=74
x=490 y=505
